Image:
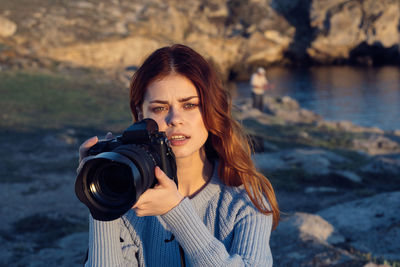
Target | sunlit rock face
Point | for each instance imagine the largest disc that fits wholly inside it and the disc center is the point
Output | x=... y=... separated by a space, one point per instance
x=350 y=30
x=237 y=36
x=7 y=27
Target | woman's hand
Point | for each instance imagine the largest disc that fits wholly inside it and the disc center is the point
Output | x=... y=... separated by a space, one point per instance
x=83 y=149
x=160 y=199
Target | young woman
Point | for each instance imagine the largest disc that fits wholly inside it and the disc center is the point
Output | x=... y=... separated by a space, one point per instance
x=223 y=210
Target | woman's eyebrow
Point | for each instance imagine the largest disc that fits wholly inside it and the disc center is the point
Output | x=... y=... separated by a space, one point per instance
x=158 y=101
x=187 y=98
x=179 y=100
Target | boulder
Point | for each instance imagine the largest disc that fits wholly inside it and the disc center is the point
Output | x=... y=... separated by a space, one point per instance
x=312 y=161
x=377 y=145
x=395 y=132
x=303 y=239
x=372 y=264
x=319 y=189
x=389 y=164
x=7 y=27
x=268 y=161
x=351 y=176
x=348 y=126
x=289 y=110
x=370 y=225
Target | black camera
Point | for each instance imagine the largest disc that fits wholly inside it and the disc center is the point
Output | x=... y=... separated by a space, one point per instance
x=111 y=182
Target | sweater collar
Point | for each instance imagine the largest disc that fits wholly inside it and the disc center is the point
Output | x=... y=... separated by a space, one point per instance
x=206 y=192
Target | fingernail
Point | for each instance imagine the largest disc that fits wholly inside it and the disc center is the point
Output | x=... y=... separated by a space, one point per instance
x=158 y=170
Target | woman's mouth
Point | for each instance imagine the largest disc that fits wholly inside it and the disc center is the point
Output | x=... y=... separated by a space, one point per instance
x=178 y=139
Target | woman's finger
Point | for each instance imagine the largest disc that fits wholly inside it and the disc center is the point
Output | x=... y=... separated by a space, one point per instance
x=109 y=136
x=162 y=178
x=85 y=147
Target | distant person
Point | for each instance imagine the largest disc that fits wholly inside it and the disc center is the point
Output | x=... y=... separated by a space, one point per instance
x=259 y=85
x=223 y=209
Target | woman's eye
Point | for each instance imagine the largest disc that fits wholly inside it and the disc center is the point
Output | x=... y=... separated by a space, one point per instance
x=190 y=106
x=158 y=109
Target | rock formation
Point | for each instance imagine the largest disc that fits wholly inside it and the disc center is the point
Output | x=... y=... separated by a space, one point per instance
x=236 y=35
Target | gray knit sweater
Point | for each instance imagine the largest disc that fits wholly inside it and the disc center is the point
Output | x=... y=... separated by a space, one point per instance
x=218 y=226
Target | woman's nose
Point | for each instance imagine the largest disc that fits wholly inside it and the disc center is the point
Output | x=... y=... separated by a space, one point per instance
x=174 y=117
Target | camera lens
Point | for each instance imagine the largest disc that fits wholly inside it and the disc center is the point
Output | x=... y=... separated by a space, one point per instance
x=111 y=183
x=115 y=179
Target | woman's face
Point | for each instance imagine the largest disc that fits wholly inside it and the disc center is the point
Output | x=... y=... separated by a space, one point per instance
x=174 y=104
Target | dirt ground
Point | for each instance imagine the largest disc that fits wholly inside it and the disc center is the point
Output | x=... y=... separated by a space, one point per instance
x=42 y=220
x=40 y=211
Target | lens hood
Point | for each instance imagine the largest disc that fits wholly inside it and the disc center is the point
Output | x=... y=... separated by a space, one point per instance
x=110 y=183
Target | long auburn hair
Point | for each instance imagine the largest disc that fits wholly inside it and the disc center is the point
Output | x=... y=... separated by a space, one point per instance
x=226 y=141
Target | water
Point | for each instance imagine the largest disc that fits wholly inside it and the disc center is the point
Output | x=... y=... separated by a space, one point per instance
x=365 y=96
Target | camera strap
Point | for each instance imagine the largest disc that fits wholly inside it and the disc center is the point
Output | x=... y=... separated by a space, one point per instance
x=182 y=254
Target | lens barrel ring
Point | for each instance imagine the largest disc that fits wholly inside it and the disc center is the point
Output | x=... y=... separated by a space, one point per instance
x=145 y=158
x=141 y=163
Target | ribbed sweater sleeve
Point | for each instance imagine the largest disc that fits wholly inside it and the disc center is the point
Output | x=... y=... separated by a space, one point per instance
x=250 y=245
x=105 y=246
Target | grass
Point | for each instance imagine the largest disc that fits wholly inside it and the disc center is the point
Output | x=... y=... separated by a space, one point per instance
x=44 y=101
x=37 y=104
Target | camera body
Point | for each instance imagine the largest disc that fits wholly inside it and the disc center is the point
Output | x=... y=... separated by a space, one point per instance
x=121 y=169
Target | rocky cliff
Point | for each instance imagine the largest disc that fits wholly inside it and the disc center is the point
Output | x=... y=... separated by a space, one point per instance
x=236 y=35
x=337 y=183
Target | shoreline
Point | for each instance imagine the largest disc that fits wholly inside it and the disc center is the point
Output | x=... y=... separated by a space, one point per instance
x=367 y=97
